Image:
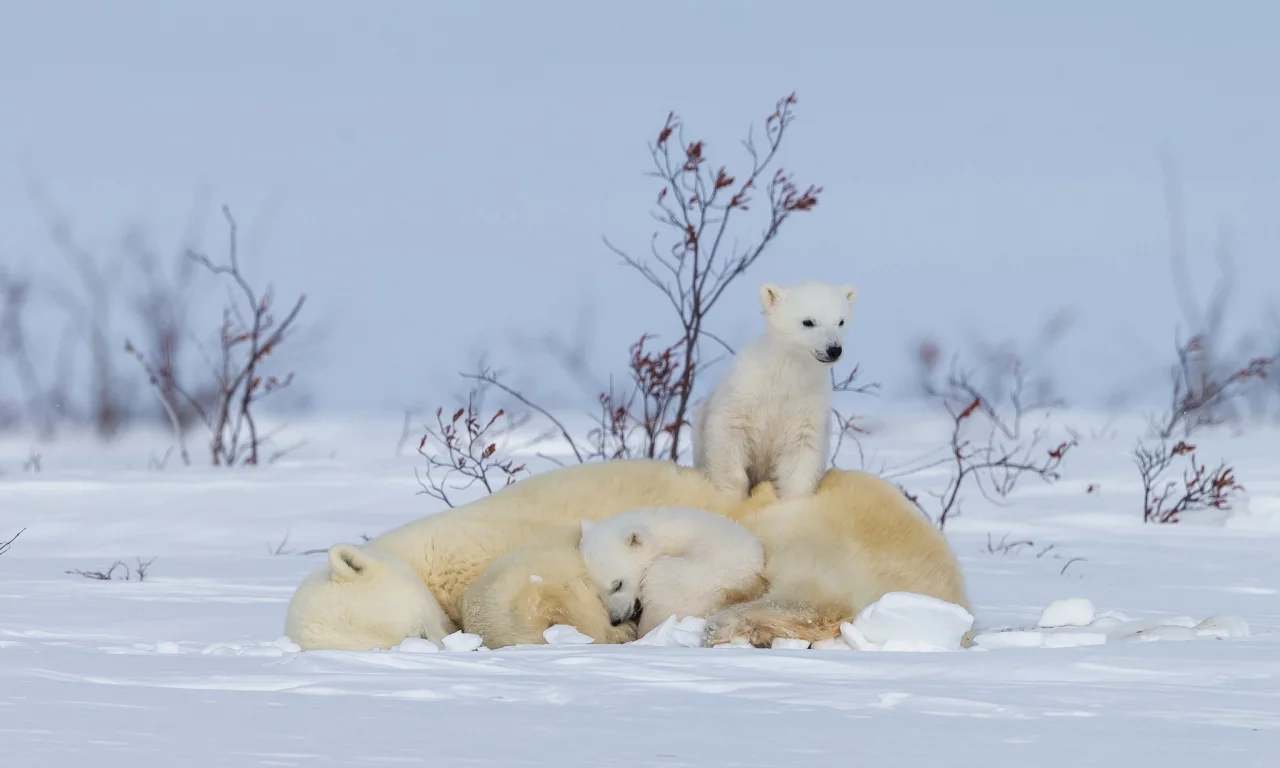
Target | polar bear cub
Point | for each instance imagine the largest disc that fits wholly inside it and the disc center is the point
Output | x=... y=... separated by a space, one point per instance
x=650 y=563
x=769 y=416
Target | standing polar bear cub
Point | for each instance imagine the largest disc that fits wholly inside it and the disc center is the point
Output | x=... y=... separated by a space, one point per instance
x=652 y=563
x=768 y=418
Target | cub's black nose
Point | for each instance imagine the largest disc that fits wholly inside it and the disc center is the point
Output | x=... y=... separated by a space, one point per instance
x=833 y=351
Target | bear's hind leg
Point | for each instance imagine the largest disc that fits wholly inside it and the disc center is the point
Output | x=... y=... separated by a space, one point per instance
x=762 y=621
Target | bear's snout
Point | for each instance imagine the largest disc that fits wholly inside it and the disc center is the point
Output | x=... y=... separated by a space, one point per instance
x=637 y=608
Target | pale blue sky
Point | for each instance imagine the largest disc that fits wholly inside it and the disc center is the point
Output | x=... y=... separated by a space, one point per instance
x=438 y=176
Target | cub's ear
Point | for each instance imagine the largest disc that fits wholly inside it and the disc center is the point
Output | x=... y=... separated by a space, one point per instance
x=585 y=525
x=850 y=293
x=770 y=295
x=347 y=562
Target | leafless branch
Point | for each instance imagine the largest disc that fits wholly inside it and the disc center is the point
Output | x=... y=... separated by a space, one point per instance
x=119 y=571
x=5 y=546
x=171 y=411
x=988 y=445
x=249 y=335
x=465 y=449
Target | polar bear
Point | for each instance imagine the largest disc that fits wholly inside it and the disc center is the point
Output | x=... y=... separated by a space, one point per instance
x=652 y=563
x=769 y=416
x=827 y=556
x=448 y=551
x=536 y=588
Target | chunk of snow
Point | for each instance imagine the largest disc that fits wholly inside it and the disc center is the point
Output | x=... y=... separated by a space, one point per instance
x=906 y=617
x=1068 y=612
x=535 y=579
x=166 y=646
x=416 y=645
x=672 y=633
x=831 y=644
x=462 y=641
x=659 y=635
x=563 y=634
x=288 y=646
x=1226 y=625
x=854 y=638
x=789 y=644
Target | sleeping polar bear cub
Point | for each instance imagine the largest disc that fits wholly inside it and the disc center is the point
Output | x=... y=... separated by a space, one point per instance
x=650 y=563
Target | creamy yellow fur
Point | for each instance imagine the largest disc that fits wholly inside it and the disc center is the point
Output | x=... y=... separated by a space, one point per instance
x=831 y=554
x=827 y=555
x=535 y=587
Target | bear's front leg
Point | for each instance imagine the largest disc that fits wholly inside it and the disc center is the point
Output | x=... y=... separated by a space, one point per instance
x=801 y=468
x=724 y=456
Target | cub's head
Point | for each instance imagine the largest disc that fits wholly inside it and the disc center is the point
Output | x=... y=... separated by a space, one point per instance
x=617 y=555
x=361 y=600
x=810 y=315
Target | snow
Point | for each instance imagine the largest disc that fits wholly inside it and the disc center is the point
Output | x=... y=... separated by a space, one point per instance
x=563 y=634
x=1068 y=612
x=462 y=641
x=901 y=619
x=1178 y=664
x=672 y=633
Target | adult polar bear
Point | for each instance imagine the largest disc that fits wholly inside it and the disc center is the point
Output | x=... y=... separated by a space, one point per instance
x=828 y=555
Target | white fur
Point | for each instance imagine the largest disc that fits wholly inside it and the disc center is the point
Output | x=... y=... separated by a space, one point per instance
x=769 y=417
x=364 y=598
x=664 y=561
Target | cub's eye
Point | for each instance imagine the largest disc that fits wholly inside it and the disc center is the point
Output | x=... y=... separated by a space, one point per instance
x=617 y=586
x=841 y=323
x=807 y=323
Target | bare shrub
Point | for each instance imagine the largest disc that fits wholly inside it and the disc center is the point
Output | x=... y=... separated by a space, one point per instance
x=162 y=306
x=90 y=314
x=119 y=571
x=39 y=401
x=1206 y=388
x=989 y=443
x=464 y=451
x=697 y=253
x=1006 y=547
x=249 y=334
x=847 y=424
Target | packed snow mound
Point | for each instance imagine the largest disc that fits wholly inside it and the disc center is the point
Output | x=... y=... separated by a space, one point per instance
x=907 y=621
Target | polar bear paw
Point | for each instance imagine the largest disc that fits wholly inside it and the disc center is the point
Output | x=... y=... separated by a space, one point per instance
x=761 y=622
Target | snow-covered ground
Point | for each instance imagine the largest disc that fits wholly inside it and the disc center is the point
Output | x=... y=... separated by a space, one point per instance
x=184 y=668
